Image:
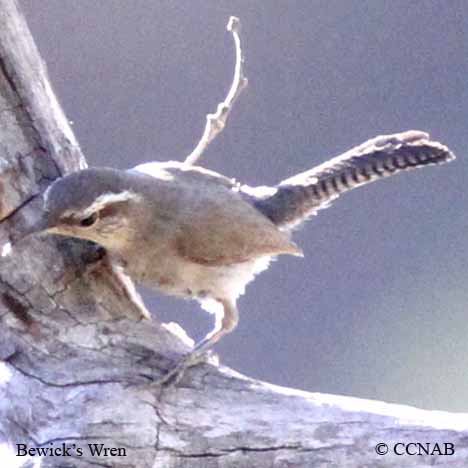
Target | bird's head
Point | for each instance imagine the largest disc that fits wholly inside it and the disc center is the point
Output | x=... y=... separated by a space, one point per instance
x=93 y=204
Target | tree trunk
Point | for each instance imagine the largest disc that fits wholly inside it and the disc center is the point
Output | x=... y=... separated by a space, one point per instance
x=79 y=369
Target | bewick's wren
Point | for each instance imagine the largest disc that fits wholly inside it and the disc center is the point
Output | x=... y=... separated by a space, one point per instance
x=190 y=232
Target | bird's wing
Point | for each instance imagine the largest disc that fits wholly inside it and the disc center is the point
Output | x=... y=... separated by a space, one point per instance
x=215 y=224
x=297 y=198
x=228 y=230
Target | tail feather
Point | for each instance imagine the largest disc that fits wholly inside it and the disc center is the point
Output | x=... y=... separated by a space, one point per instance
x=299 y=197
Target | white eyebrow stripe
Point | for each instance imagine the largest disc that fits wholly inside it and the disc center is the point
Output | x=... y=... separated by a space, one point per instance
x=106 y=199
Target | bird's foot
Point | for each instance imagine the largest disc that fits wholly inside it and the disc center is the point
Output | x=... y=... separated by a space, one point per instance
x=191 y=359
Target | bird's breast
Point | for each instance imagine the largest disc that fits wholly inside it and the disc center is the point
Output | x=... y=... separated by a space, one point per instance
x=180 y=277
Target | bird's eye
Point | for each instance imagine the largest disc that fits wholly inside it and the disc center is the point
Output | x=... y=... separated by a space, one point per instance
x=89 y=221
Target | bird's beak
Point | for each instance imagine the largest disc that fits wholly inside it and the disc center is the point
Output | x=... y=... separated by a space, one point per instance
x=31 y=219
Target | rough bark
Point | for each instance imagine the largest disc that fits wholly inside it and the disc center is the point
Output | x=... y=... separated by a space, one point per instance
x=77 y=368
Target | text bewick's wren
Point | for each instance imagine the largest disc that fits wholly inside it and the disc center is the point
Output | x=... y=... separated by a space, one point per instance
x=194 y=233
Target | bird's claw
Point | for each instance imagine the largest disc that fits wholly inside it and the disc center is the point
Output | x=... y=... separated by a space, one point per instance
x=174 y=374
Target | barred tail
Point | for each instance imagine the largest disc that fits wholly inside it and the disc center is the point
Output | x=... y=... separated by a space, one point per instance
x=301 y=196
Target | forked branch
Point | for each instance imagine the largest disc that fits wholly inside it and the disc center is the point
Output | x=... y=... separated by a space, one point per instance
x=216 y=122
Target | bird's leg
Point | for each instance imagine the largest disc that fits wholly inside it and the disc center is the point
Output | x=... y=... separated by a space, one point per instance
x=226 y=322
x=124 y=284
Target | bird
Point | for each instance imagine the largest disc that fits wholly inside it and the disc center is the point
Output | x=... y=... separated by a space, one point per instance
x=190 y=232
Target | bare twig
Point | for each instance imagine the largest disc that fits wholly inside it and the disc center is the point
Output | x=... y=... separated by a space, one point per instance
x=216 y=122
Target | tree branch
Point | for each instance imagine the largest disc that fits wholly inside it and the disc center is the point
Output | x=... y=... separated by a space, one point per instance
x=87 y=371
x=216 y=122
